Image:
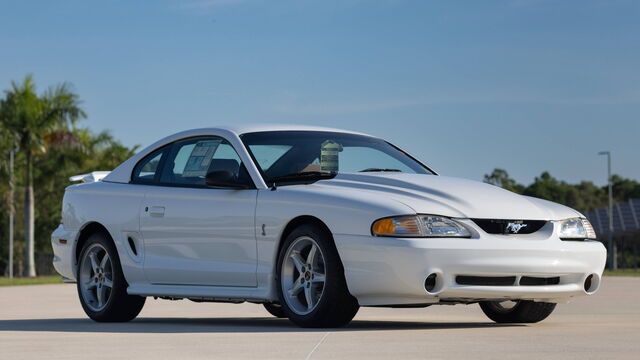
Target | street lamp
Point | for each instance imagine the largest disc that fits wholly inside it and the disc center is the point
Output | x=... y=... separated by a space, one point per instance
x=613 y=264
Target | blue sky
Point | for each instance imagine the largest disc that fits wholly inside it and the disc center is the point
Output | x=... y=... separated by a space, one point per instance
x=466 y=86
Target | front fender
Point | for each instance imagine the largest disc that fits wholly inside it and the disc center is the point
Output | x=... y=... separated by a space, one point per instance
x=342 y=211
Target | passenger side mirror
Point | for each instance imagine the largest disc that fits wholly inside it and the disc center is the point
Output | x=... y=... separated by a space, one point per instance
x=225 y=179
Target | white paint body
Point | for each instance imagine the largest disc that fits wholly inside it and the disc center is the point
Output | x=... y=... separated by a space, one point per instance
x=209 y=243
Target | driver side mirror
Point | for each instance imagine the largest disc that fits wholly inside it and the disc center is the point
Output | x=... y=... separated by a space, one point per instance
x=225 y=179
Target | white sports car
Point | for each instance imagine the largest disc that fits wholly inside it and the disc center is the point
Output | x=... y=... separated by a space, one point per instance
x=314 y=223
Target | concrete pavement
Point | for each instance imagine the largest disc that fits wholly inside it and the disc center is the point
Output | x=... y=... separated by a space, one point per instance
x=46 y=321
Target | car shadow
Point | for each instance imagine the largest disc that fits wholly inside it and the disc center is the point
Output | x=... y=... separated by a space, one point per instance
x=219 y=325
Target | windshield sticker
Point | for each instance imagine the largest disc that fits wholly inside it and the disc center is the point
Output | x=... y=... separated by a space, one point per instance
x=329 y=159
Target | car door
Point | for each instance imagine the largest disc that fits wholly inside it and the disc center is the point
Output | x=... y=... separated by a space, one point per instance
x=194 y=234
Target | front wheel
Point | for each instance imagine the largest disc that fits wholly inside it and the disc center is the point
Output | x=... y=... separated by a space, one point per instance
x=311 y=284
x=102 y=287
x=517 y=311
x=275 y=310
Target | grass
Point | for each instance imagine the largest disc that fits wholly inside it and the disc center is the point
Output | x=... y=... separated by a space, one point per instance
x=52 y=279
x=622 y=272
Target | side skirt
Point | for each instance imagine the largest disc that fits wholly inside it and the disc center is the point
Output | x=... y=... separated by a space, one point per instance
x=202 y=293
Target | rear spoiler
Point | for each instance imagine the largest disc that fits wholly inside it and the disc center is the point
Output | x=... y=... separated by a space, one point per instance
x=90 y=177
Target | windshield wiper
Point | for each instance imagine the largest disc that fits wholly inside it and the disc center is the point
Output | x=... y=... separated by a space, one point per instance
x=380 y=170
x=306 y=176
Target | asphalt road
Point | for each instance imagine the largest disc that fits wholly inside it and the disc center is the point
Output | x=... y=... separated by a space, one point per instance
x=46 y=321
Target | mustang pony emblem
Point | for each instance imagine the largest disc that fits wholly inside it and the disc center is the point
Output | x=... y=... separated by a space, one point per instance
x=514 y=228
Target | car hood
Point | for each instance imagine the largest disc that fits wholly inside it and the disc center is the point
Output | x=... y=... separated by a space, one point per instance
x=449 y=196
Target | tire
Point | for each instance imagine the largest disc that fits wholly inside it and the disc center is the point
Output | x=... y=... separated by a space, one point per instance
x=275 y=310
x=101 y=285
x=522 y=311
x=323 y=282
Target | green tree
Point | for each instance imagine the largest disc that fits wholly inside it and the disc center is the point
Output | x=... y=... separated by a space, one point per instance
x=591 y=197
x=500 y=177
x=624 y=189
x=87 y=152
x=6 y=198
x=30 y=119
x=583 y=197
x=547 y=187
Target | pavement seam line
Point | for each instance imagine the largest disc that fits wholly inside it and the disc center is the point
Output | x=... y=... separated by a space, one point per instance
x=317 y=346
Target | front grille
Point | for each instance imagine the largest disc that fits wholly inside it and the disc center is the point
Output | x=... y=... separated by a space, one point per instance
x=509 y=227
x=486 y=280
x=539 y=281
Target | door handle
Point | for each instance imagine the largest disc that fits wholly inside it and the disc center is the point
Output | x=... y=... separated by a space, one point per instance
x=156 y=211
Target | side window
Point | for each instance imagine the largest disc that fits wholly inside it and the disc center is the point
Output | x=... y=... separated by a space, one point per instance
x=226 y=152
x=148 y=168
x=191 y=160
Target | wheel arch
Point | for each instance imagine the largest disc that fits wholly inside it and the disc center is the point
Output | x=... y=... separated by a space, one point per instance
x=296 y=222
x=288 y=228
x=87 y=230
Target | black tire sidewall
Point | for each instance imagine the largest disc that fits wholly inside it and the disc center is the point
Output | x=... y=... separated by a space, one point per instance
x=120 y=305
x=525 y=311
x=335 y=293
x=275 y=310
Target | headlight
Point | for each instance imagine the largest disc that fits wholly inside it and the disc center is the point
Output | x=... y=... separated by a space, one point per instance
x=419 y=226
x=576 y=228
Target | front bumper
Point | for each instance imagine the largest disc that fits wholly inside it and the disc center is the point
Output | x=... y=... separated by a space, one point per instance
x=392 y=271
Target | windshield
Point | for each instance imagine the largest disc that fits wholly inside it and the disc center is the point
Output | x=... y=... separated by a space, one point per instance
x=285 y=154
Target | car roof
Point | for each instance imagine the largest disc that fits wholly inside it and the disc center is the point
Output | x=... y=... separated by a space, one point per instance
x=251 y=128
x=122 y=173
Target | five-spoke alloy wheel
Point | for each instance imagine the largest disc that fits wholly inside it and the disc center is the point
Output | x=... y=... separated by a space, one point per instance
x=303 y=275
x=311 y=284
x=102 y=287
x=95 y=277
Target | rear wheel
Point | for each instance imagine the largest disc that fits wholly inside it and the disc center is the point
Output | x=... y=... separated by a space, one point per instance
x=521 y=311
x=101 y=285
x=311 y=284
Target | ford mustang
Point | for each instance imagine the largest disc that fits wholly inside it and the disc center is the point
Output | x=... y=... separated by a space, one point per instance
x=313 y=223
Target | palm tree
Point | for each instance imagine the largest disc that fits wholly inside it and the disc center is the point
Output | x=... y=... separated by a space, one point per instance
x=6 y=157
x=30 y=119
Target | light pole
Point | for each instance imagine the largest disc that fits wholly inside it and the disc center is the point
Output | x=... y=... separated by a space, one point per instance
x=11 y=211
x=613 y=264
